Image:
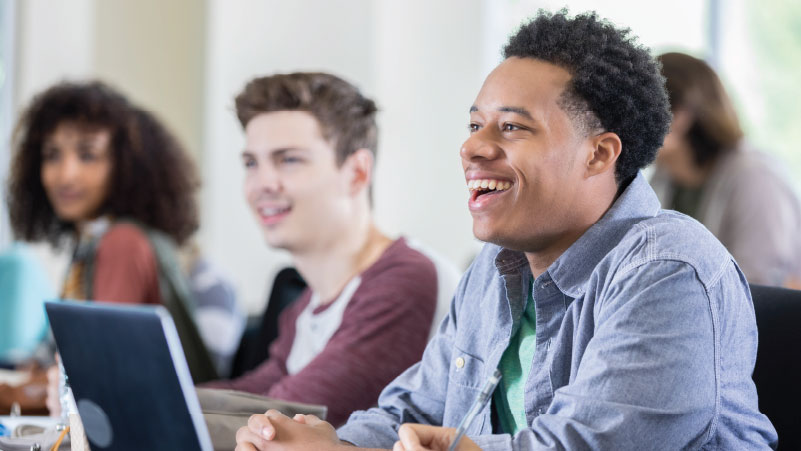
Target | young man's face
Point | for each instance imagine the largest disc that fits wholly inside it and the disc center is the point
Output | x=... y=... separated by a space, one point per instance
x=526 y=147
x=292 y=182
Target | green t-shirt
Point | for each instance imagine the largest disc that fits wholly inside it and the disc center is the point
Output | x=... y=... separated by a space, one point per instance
x=515 y=367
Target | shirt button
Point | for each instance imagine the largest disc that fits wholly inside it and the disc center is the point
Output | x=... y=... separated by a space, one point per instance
x=459 y=362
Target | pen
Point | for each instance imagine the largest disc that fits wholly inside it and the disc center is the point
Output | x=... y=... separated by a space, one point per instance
x=478 y=404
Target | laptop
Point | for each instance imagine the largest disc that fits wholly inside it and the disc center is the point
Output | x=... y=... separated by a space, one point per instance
x=129 y=377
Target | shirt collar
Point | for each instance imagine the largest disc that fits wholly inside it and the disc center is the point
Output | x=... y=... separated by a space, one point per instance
x=572 y=269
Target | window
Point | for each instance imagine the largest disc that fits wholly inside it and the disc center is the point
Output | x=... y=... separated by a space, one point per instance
x=6 y=72
x=760 y=63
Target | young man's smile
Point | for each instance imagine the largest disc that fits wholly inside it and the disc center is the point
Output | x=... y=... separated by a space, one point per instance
x=271 y=213
x=485 y=191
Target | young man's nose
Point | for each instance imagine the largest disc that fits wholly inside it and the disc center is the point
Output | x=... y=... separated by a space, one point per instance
x=480 y=145
x=268 y=179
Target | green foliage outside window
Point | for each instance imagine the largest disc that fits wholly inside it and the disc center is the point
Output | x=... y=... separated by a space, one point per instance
x=774 y=28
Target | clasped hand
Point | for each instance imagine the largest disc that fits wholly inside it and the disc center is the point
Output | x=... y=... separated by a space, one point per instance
x=275 y=431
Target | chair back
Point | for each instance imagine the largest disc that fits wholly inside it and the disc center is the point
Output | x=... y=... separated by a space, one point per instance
x=254 y=347
x=777 y=373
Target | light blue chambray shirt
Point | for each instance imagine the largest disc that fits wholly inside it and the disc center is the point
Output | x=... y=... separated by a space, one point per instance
x=646 y=339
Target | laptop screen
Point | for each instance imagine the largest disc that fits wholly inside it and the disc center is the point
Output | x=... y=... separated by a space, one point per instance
x=129 y=377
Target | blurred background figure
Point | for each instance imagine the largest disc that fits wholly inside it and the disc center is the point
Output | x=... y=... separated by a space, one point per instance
x=219 y=317
x=92 y=171
x=24 y=285
x=707 y=170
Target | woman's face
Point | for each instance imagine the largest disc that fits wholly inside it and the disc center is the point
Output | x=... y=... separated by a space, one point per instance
x=76 y=167
x=676 y=156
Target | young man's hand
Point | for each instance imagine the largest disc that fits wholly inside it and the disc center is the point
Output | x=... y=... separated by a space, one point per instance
x=420 y=437
x=276 y=431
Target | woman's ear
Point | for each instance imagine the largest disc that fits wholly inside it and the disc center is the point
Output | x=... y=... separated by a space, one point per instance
x=606 y=149
x=681 y=122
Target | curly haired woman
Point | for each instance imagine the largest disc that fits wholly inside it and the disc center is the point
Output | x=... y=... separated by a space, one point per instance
x=94 y=170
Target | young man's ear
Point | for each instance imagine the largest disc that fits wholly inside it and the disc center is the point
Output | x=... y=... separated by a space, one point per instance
x=606 y=149
x=360 y=165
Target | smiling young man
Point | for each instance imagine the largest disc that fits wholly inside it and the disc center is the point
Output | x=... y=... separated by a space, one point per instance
x=366 y=316
x=615 y=324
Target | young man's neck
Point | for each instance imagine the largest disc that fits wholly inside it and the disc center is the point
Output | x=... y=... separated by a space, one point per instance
x=328 y=270
x=594 y=209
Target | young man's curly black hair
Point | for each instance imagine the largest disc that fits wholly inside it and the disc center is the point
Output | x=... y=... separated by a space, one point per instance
x=615 y=85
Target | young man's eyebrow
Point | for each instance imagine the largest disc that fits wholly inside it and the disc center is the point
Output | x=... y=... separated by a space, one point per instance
x=517 y=110
x=273 y=152
x=509 y=109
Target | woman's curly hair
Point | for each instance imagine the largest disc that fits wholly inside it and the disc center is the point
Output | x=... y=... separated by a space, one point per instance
x=153 y=181
x=615 y=83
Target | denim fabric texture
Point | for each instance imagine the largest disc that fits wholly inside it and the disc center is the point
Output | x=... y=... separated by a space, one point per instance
x=646 y=339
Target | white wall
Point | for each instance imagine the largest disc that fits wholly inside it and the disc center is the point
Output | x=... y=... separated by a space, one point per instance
x=429 y=70
x=417 y=58
x=153 y=50
x=54 y=42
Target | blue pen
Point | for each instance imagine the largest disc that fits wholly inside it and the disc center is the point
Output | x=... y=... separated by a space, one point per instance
x=478 y=404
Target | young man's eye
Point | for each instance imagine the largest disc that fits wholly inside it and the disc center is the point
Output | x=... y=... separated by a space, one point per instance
x=249 y=163
x=290 y=160
x=473 y=127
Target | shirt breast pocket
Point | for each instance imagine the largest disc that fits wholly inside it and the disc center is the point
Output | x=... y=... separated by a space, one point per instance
x=465 y=370
x=466 y=377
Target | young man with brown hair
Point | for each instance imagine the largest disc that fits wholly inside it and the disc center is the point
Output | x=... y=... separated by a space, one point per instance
x=310 y=146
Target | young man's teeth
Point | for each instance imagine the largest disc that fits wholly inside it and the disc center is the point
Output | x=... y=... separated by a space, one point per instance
x=488 y=184
x=272 y=211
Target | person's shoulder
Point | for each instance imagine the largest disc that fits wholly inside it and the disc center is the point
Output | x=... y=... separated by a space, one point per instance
x=401 y=268
x=672 y=236
x=752 y=171
x=125 y=237
x=401 y=258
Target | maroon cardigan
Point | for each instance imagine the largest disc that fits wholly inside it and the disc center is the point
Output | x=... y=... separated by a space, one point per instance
x=384 y=330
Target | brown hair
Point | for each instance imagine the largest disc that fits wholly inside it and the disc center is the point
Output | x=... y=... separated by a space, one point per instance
x=346 y=117
x=693 y=86
x=152 y=180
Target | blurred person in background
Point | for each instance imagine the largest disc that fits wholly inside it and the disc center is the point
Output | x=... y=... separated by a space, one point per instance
x=707 y=170
x=366 y=315
x=94 y=171
x=25 y=285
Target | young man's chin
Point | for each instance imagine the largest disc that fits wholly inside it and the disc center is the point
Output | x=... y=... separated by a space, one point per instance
x=275 y=240
x=485 y=234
